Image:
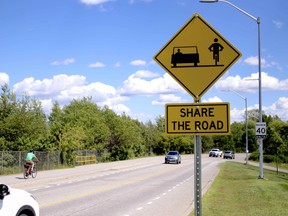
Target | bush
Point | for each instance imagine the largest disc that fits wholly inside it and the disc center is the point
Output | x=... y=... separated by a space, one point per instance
x=269 y=158
x=254 y=156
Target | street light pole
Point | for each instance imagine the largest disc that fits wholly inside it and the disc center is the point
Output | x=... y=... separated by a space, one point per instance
x=260 y=140
x=246 y=122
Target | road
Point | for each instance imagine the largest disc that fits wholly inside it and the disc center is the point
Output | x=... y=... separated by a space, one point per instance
x=137 y=187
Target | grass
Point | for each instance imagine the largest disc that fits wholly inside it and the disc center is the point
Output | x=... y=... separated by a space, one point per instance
x=237 y=191
x=280 y=166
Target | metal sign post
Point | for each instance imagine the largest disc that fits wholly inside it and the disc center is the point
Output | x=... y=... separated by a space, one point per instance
x=197 y=176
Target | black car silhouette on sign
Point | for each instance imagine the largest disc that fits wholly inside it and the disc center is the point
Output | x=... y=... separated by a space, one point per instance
x=184 y=55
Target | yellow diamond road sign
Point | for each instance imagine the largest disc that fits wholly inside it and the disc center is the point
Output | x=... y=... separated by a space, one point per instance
x=197 y=56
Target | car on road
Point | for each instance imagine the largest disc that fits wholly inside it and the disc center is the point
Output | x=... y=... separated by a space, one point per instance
x=173 y=157
x=215 y=153
x=17 y=202
x=229 y=154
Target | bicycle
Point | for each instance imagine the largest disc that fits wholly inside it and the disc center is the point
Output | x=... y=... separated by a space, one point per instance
x=28 y=170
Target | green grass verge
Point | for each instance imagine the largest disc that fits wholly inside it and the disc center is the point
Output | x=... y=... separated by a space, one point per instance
x=237 y=191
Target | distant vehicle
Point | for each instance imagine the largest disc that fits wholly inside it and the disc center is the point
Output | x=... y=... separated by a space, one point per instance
x=173 y=157
x=185 y=54
x=16 y=202
x=215 y=153
x=229 y=154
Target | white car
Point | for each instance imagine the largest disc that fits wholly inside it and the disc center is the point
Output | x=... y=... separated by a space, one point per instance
x=215 y=153
x=16 y=202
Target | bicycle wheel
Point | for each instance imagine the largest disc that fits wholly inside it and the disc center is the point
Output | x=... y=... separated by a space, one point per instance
x=34 y=172
x=25 y=174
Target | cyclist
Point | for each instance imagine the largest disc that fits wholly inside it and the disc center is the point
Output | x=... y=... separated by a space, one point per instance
x=216 y=48
x=30 y=158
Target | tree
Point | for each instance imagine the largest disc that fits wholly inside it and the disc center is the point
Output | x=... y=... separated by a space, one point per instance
x=275 y=144
x=71 y=139
x=129 y=141
x=160 y=124
x=56 y=126
x=238 y=134
x=253 y=115
x=207 y=143
x=83 y=113
x=151 y=134
x=222 y=142
x=23 y=122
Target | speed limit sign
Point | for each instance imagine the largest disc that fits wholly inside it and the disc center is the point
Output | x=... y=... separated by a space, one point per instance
x=260 y=129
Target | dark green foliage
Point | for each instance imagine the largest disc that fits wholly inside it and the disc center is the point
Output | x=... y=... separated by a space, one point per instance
x=22 y=122
x=254 y=156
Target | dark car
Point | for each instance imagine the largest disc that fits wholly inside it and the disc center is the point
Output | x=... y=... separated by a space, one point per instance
x=229 y=154
x=173 y=157
x=190 y=55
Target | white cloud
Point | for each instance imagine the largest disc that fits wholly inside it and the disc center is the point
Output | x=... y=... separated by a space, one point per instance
x=167 y=98
x=251 y=84
x=280 y=104
x=214 y=99
x=138 y=62
x=120 y=108
x=278 y=24
x=133 y=1
x=117 y=64
x=48 y=87
x=237 y=115
x=138 y=85
x=97 y=90
x=253 y=60
x=94 y=2
x=63 y=88
x=97 y=65
x=278 y=108
x=64 y=62
x=47 y=105
x=145 y=74
x=4 y=78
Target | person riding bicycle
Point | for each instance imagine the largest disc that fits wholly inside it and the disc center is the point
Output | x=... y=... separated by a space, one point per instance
x=30 y=158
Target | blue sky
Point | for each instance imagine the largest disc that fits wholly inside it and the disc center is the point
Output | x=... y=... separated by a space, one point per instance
x=57 y=50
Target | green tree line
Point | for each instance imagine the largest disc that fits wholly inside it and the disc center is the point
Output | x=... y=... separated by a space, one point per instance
x=83 y=125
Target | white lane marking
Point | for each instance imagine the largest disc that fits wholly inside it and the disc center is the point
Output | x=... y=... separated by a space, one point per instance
x=163 y=194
